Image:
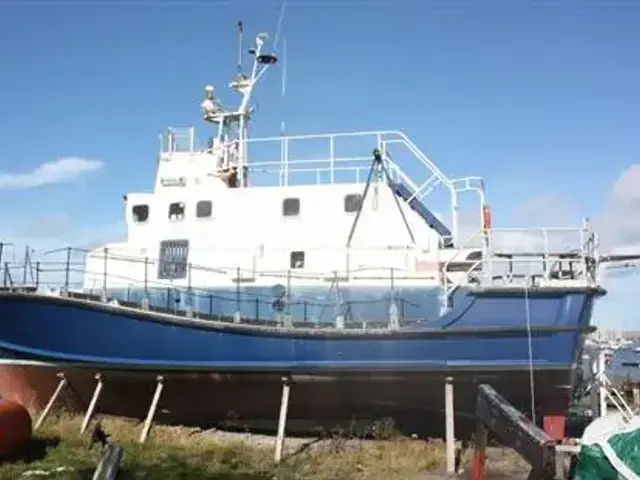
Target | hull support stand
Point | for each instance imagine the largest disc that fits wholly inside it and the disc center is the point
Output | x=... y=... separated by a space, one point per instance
x=282 y=421
x=548 y=457
x=63 y=383
x=92 y=405
x=152 y=409
x=450 y=436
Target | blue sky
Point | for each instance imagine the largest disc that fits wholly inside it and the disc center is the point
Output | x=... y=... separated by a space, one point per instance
x=539 y=98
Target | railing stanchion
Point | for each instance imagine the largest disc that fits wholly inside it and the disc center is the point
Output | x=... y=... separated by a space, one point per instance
x=104 y=274
x=146 y=276
x=237 y=316
x=288 y=314
x=188 y=308
x=332 y=148
x=67 y=267
x=25 y=265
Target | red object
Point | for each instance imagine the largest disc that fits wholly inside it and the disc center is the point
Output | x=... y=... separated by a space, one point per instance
x=15 y=426
x=554 y=426
x=486 y=217
x=479 y=459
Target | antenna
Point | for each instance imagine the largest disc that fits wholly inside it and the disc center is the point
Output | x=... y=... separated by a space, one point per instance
x=279 y=26
x=284 y=57
x=284 y=79
x=284 y=67
x=240 y=32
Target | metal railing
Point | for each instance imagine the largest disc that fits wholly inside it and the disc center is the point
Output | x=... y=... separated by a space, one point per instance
x=498 y=258
x=258 y=304
x=334 y=158
x=178 y=140
x=540 y=257
x=263 y=266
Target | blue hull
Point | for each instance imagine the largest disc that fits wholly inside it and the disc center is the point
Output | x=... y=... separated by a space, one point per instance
x=498 y=329
x=505 y=338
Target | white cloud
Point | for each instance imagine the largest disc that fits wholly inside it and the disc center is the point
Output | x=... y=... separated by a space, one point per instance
x=619 y=222
x=65 y=169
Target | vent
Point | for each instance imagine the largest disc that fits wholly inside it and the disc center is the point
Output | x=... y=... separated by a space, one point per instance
x=174 y=257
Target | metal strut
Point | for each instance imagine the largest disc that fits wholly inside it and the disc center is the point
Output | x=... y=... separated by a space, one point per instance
x=152 y=409
x=378 y=163
x=92 y=405
x=282 y=420
x=63 y=383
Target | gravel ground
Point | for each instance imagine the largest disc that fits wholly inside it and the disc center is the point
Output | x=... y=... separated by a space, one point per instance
x=502 y=463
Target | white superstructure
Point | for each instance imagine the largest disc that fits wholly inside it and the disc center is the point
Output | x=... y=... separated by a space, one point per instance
x=347 y=214
x=228 y=209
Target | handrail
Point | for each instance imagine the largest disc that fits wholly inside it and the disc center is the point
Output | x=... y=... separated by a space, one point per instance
x=403 y=255
x=336 y=167
x=110 y=270
x=437 y=173
x=550 y=262
x=548 y=259
x=424 y=159
x=204 y=301
x=449 y=286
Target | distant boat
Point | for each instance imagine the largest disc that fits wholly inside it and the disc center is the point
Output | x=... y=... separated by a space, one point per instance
x=321 y=266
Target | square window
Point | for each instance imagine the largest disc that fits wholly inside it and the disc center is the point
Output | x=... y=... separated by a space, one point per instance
x=204 y=209
x=140 y=213
x=176 y=211
x=296 y=260
x=291 y=207
x=174 y=255
x=352 y=202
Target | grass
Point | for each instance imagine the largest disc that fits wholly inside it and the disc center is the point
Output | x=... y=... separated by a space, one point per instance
x=181 y=453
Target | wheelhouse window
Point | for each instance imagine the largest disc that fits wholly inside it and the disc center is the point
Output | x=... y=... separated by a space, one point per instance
x=352 y=202
x=291 y=207
x=140 y=213
x=204 y=209
x=296 y=260
x=176 y=211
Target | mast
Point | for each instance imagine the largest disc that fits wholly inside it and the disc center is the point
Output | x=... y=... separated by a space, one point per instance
x=230 y=140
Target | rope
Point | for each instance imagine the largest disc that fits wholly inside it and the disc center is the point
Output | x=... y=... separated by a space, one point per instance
x=532 y=390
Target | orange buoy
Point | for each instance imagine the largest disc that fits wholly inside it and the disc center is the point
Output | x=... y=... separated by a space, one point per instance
x=15 y=426
x=486 y=217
